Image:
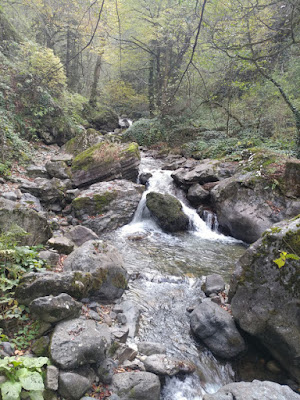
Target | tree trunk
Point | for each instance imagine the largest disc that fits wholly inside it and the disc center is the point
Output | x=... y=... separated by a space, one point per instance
x=97 y=70
x=151 y=89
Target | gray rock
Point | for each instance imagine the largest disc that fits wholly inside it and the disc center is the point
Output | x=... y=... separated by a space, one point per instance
x=105 y=371
x=134 y=365
x=253 y=391
x=77 y=284
x=62 y=244
x=265 y=298
x=132 y=313
x=111 y=204
x=29 y=221
x=66 y=158
x=10 y=196
x=144 y=178
x=197 y=195
x=136 y=386
x=120 y=334
x=50 y=256
x=214 y=283
x=73 y=386
x=79 y=342
x=58 y=169
x=80 y=234
x=35 y=171
x=40 y=346
x=52 y=374
x=32 y=202
x=48 y=191
x=125 y=353
x=121 y=318
x=53 y=309
x=167 y=212
x=216 y=328
x=86 y=139
x=7 y=348
x=206 y=171
x=106 y=162
x=106 y=265
x=162 y=365
x=149 y=348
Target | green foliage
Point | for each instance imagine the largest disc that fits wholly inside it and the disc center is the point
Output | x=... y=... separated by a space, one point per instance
x=147 y=132
x=24 y=375
x=14 y=262
x=283 y=257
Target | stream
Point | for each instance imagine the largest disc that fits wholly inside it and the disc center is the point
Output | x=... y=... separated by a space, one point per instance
x=167 y=272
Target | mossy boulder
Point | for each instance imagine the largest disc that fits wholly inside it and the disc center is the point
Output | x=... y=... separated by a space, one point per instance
x=106 y=265
x=265 y=298
x=106 y=206
x=167 y=212
x=36 y=226
x=106 y=161
x=83 y=141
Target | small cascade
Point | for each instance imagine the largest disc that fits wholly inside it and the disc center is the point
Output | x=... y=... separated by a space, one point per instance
x=211 y=220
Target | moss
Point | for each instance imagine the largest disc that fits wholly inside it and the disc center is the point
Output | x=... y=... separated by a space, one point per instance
x=132 y=149
x=99 y=277
x=119 y=281
x=81 y=284
x=85 y=159
x=292 y=240
x=81 y=202
x=113 y=348
x=103 y=200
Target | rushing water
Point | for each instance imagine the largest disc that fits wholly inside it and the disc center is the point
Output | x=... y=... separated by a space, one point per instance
x=167 y=272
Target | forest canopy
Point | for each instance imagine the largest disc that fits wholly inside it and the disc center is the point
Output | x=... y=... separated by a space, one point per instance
x=229 y=66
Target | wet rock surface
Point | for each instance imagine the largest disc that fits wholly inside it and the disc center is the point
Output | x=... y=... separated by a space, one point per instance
x=136 y=386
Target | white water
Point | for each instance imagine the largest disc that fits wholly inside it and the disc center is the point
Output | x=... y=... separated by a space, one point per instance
x=167 y=275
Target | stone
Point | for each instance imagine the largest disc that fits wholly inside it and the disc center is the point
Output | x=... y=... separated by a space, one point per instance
x=80 y=234
x=136 y=386
x=7 y=348
x=62 y=244
x=65 y=157
x=134 y=365
x=162 y=365
x=107 y=206
x=32 y=202
x=104 y=263
x=265 y=298
x=10 y=196
x=216 y=328
x=48 y=191
x=132 y=313
x=58 y=169
x=105 y=371
x=149 y=348
x=40 y=347
x=167 y=212
x=106 y=162
x=292 y=178
x=252 y=391
x=197 y=195
x=52 y=374
x=87 y=138
x=37 y=171
x=55 y=308
x=50 y=256
x=79 y=342
x=73 y=386
x=39 y=284
x=120 y=334
x=214 y=283
x=125 y=353
x=205 y=171
x=144 y=178
x=121 y=318
x=29 y=221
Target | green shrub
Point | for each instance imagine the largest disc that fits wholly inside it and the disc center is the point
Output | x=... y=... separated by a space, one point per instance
x=147 y=132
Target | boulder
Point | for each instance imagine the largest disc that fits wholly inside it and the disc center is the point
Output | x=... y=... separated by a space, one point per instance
x=162 y=365
x=105 y=371
x=57 y=169
x=61 y=244
x=73 y=386
x=39 y=284
x=196 y=195
x=36 y=226
x=48 y=191
x=253 y=391
x=132 y=313
x=50 y=257
x=107 y=206
x=104 y=119
x=265 y=297
x=104 y=162
x=216 y=328
x=32 y=202
x=167 y=212
x=149 y=348
x=79 y=342
x=37 y=171
x=52 y=375
x=136 y=386
x=144 y=178
x=83 y=141
x=40 y=347
x=214 y=283
x=104 y=263
x=206 y=171
x=55 y=308
x=292 y=178
x=80 y=234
